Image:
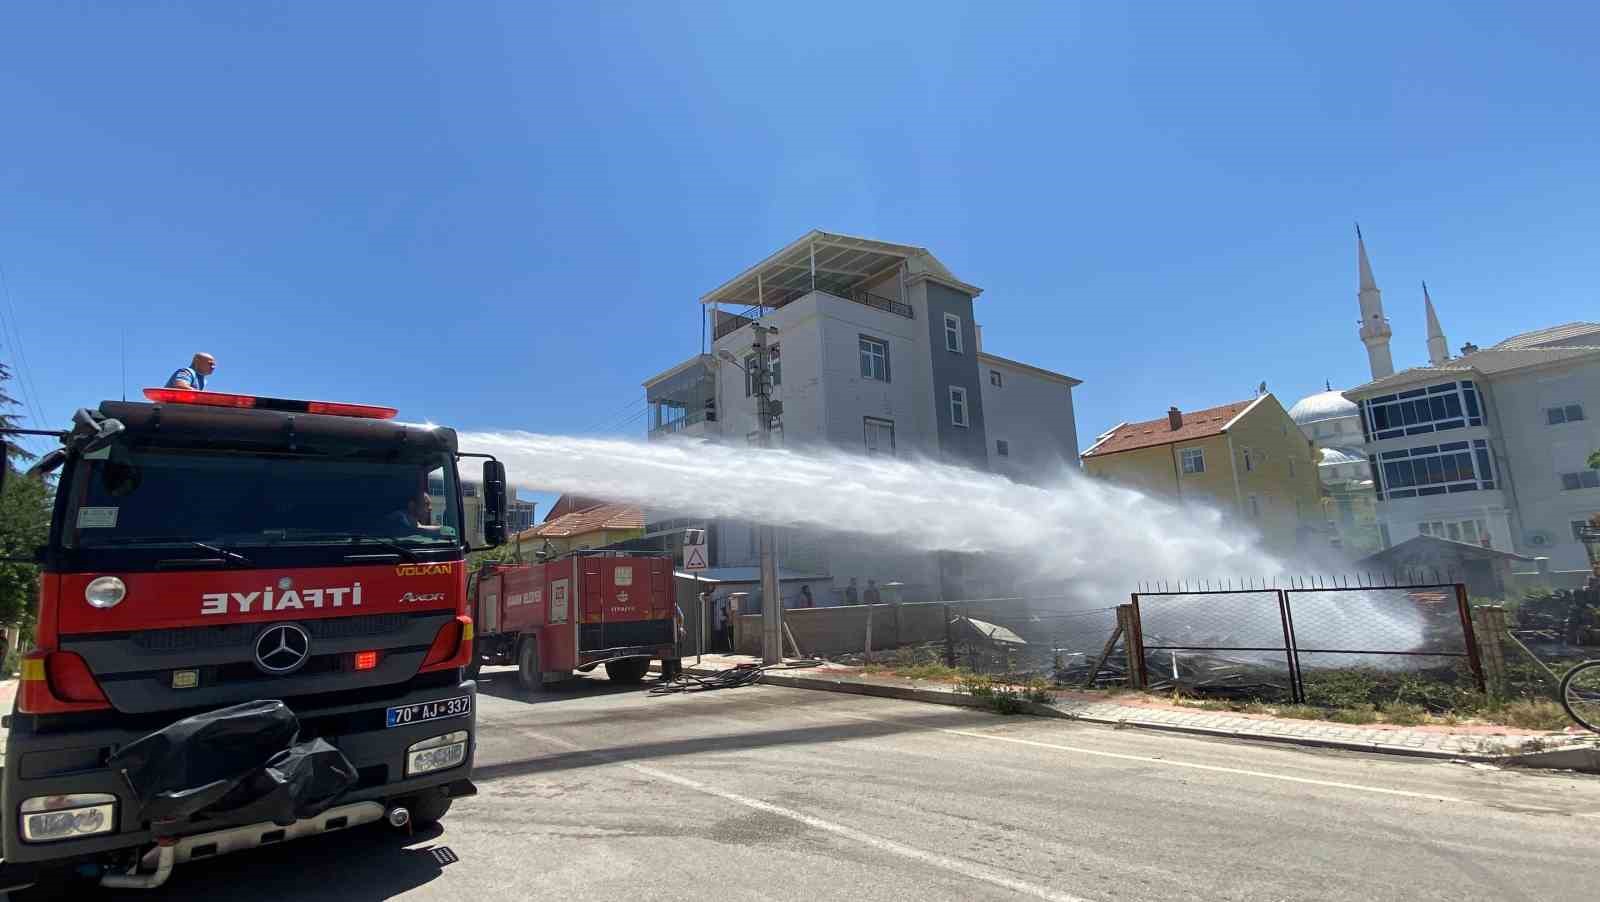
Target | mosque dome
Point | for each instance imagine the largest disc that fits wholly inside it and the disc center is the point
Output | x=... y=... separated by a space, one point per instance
x=1326 y=405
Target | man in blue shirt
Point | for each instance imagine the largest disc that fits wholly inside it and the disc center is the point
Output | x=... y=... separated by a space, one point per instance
x=194 y=375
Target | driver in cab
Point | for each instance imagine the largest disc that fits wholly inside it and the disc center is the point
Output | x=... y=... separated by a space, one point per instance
x=416 y=516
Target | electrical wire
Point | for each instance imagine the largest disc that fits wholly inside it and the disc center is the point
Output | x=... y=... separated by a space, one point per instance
x=732 y=678
x=12 y=335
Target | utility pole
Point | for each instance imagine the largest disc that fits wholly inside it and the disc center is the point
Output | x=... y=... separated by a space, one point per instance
x=766 y=410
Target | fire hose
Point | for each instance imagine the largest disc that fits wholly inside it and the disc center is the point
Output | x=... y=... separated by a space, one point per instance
x=731 y=678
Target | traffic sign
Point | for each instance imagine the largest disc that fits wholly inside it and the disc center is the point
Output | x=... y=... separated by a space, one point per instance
x=694 y=549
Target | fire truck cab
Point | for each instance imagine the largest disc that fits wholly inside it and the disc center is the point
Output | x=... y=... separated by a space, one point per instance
x=576 y=613
x=290 y=571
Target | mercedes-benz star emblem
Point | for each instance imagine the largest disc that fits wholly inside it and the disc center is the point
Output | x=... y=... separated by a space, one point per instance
x=282 y=649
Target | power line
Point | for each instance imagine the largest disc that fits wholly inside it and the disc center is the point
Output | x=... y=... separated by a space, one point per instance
x=29 y=391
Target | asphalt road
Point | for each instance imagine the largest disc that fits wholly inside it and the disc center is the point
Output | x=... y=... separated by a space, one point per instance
x=596 y=792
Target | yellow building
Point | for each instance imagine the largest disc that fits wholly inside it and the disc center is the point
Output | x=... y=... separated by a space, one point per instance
x=579 y=523
x=1247 y=458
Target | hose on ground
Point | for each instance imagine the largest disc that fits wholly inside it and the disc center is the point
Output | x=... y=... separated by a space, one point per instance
x=732 y=678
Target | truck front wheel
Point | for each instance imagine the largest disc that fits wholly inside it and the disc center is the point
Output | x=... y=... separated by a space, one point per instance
x=529 y=676
x=628 y=671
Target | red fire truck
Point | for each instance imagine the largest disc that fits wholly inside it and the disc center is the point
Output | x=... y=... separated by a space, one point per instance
x=252 y=627
x=576 y=613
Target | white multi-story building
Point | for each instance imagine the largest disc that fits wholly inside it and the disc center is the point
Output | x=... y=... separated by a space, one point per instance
x=877 y=352
x=1488 y=447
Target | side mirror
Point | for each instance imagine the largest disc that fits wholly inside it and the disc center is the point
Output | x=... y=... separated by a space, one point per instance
x=494 y=503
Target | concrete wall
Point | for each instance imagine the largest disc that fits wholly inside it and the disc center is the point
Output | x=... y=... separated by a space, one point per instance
x=840 y=630
x=1157 y=471
x=1537 y=453
x=1033 y=415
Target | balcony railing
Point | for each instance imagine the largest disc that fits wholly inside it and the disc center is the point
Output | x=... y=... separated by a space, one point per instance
x=733 y=322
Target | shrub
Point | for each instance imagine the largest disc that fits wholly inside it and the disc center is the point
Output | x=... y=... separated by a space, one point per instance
x=1346 y=688
x=1300 y=712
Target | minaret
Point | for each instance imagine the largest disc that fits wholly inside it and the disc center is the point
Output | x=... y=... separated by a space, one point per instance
x=1375 y=329
x=1438 y=348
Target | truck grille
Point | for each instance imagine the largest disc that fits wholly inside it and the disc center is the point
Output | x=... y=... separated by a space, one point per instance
x=194 y=638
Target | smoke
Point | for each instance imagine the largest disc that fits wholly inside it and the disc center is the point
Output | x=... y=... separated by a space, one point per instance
x=1097 y=537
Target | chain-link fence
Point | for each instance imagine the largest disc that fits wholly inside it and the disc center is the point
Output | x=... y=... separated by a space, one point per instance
x=1333 y=646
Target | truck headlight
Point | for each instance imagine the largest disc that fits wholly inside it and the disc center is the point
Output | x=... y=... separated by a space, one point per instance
x=50 y=818
x=105 y=592
x=436 y=753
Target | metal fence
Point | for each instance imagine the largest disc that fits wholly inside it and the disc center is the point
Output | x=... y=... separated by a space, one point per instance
x=1044 y=637
x=1316 y=641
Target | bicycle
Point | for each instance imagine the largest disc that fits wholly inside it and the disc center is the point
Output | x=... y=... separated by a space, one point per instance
x=1580 y=694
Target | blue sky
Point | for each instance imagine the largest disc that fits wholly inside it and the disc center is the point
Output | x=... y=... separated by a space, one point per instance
x=501 y=215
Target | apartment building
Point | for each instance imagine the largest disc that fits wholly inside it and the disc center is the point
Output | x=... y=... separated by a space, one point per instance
x=877 y=352
x=1248 y=458
x=1489 y=446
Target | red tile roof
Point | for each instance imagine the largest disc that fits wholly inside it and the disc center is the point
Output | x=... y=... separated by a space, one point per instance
x=594 y=519
x=1197 y=424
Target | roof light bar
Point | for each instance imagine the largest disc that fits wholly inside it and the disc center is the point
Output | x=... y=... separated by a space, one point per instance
x=256 y=402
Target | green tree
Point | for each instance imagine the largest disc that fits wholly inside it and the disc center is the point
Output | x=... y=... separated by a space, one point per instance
x=1594 y=460
x=24 y=525
x=8 y=420
x=24 y=521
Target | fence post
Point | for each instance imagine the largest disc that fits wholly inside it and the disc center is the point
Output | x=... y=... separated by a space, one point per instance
x=1489 y=623
x=949 y=640
x=1134 y=641
x=1297 y=692
x=1473 y=658
x=1111 y=644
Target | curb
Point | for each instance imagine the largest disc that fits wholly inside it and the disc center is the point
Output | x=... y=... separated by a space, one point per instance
x=1582 y=758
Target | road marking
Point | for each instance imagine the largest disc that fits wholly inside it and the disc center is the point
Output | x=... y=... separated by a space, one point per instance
x=1171 y=762
x=966 y=869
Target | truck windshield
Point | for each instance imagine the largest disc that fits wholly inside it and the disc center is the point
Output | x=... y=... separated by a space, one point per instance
x=154 y=497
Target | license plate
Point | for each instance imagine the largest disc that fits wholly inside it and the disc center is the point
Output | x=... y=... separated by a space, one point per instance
x=406 y=715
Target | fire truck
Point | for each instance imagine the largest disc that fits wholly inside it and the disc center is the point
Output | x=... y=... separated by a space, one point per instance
x=576 y=613
x=252 y=627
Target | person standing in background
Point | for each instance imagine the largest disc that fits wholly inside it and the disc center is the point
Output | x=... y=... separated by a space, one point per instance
x=871 y=596
x=194 y=375
x=806 y=601
x=850 y=592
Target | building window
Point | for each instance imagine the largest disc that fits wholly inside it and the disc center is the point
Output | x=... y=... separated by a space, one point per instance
x=777 y=367
x=1433 y=470
x=1570 y=413
x=880 y=436
x=749 y=375
x=996 y=380
x=1255 y=507
x=1583 y=479
x=1451 y=405
x=952 y=333
x=1002 y=447
x=1194 y=460
x=1473 y=532
x=1249 y=464
x=958 y=406
x=874 y=359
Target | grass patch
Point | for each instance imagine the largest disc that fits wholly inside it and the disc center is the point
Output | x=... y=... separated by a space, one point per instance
x=1300 y=712
x=1361 y=714
x=1529 y=714
x=1403 y=713
x=931 y=671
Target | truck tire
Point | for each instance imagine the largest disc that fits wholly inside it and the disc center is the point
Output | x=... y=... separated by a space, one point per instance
x=529 y=676
x=628 y=671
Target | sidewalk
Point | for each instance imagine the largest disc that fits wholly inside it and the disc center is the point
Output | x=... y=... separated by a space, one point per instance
x=1476 y=742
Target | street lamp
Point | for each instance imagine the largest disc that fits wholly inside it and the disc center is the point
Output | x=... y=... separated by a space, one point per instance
x=759 y=380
